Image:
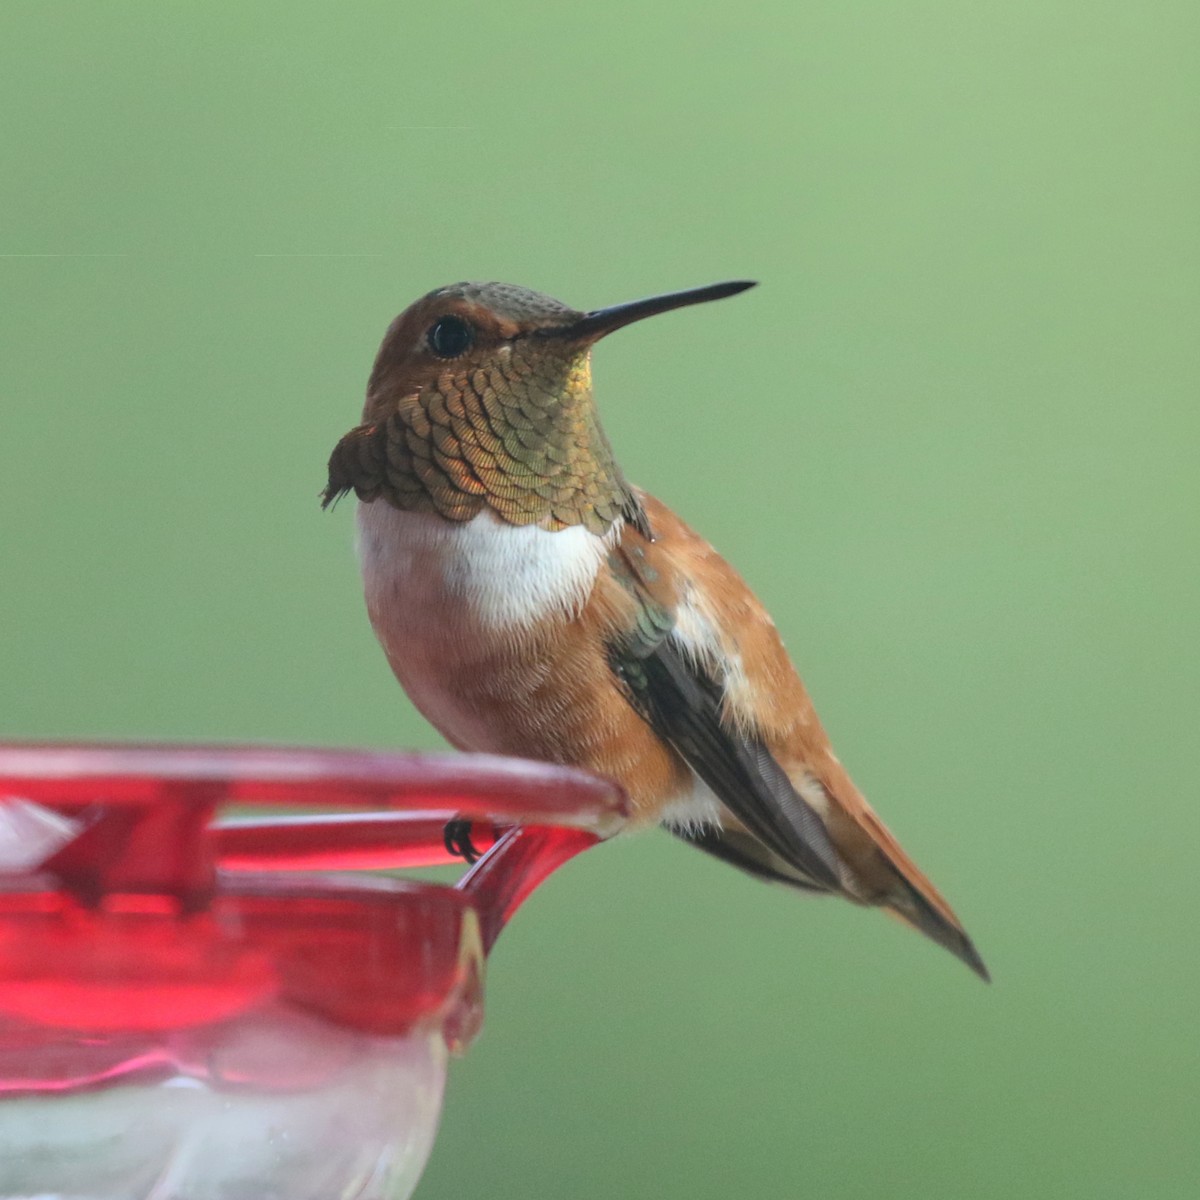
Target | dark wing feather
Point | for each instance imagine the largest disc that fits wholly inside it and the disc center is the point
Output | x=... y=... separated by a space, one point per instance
x=747 y=854
x=683 y=705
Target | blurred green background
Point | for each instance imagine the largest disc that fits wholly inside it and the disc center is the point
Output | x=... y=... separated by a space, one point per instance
x=951 y=440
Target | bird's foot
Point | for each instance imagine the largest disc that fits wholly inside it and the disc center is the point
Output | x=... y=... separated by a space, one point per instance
x=457 y=839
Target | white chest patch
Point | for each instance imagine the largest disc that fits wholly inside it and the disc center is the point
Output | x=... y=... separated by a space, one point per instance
x=505 y=575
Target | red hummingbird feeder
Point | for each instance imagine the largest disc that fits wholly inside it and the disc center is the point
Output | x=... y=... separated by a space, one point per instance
x=201 y=1005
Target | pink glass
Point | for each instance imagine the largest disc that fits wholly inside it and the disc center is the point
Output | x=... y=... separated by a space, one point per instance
x=200 y=1005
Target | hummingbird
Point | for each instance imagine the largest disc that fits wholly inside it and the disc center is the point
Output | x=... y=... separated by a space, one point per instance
x=532 y=601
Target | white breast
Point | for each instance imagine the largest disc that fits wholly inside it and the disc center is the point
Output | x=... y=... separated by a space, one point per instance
x=503 y=574
x=439 y=592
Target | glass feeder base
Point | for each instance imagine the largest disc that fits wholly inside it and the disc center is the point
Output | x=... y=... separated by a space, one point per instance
x=357 y=1118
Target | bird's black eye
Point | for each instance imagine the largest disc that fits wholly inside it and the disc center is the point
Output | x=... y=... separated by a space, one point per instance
x=448 y=337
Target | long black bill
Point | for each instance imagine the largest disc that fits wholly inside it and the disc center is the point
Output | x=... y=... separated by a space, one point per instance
x=596 y=324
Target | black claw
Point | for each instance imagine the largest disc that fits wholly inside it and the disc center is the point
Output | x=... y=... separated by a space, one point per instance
x=457 y=839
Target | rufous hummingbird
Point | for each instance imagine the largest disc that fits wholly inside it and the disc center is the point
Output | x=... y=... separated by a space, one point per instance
x=533 y=602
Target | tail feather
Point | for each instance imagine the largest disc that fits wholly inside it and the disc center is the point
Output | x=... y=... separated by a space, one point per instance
x=889 y=875
x=911 y=905
x=916 y=911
